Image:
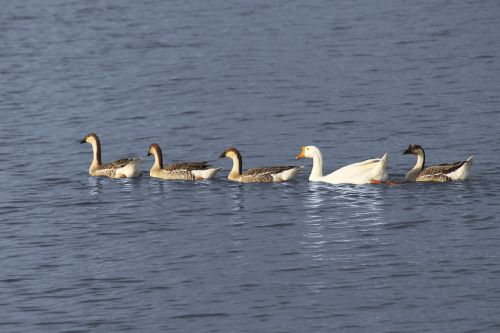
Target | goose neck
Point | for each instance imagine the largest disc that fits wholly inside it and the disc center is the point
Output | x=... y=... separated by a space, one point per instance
x=96 y=160
x=317 y=169
x=158 y=164
x=236 y=170
x=419 y=166
x=420 y=161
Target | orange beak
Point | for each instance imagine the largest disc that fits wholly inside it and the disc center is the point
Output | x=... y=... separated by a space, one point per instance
x=302 y=153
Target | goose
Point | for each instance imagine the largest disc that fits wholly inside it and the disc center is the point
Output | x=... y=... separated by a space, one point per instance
x=446 y=172
x=179 y=170
x=367 y=172
x=122 y=168
x=273 y=174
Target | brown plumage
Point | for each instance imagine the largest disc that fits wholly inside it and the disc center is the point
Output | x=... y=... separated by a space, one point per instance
x=116 y=164
x=126 y=167
x=187 y=166
x=445 y=172
x=264 y=170
x=179 y=170
x=440 y=178
x=439 y=172
x=260 y=174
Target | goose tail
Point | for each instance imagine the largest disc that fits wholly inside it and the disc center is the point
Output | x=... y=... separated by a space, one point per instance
x=380 y=172
x=206 y=174
x=385 y=158
x=290 y=173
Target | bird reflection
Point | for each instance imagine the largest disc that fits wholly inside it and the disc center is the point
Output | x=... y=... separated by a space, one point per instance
x=237 y=197
x=363 y=202
x=338 y=214
x=237 y=219
x=314 y=235
x=159 y=187
x=127 y=185
x=95 y=185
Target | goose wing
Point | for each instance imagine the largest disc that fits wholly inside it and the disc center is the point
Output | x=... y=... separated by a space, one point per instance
x=440 y=172
x=108 y=169
x=441 y=169
x=257 y=178
x=187 y=166
x=367 y=162
x=266 y=170
x=116 y=164
x=263 y=174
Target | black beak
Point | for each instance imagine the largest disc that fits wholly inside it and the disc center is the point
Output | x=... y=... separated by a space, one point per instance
x=149 y=154
x=83 y=141
x=222 y=155
x=408 y=150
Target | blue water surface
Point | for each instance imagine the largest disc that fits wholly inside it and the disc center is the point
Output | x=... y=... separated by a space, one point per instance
x=355 y=78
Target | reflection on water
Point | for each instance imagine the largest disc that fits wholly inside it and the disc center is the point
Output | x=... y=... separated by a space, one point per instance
x=159 y=188
x=338 y=214
x=127 y=185
x=363 y=202
x=126 y=190
x=237 y=198
x=288 y=257
x=314 y=236
x=95 y=185
x=365 y=199
x=237 y=220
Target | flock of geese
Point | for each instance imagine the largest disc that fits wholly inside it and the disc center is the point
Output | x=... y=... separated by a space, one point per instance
x=373 y=171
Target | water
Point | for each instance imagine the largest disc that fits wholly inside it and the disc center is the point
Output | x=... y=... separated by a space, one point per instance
x=356 y=78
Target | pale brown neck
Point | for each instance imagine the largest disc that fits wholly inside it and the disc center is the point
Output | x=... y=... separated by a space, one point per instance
x=420 y=165
x=158 y=158
x=96 y=147
x=237 y=167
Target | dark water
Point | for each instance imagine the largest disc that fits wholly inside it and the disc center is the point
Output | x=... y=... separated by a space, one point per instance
x=356 y=78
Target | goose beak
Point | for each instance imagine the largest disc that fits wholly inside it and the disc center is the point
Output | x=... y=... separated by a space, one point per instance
x=83 y=141
x=302 y=153
x=149 y=153
x=407 y=151
x=222 y=155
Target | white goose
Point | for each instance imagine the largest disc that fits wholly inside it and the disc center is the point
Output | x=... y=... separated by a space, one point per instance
x=446 y=172
x=179 y=170
x=367 y=172
x=123 y=168
x=273 y=174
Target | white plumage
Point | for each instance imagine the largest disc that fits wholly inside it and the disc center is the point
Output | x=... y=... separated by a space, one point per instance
x=369 y=171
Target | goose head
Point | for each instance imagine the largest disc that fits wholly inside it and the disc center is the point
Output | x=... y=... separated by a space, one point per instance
x=414 y=150
x=308 y=151
x=231 y=153
x=91 y=138
x=154 y=149
x=235 y=155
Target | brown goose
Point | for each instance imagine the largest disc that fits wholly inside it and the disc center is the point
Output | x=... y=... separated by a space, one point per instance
x=179 y=170
x=123 y=168
x=272 y=174
x=437 y=173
